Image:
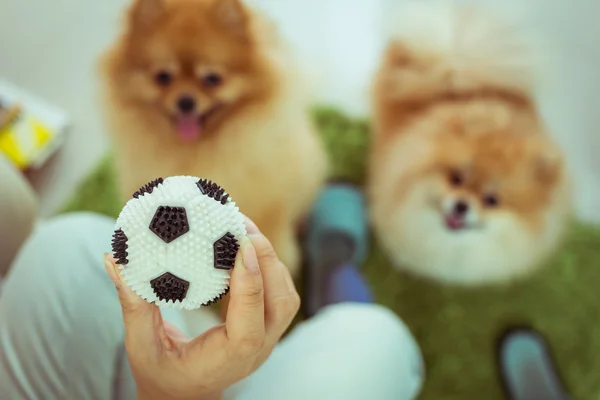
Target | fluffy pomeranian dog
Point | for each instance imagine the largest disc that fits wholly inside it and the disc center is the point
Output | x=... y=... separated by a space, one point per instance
x=466 y=185
x=207 y=88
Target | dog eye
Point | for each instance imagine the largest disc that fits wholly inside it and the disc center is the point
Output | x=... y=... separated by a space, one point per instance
x=163 y=78
x=456 y=178
x=491 y=200
x=211 y=80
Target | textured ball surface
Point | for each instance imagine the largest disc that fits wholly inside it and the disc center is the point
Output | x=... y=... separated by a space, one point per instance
x=176 y=241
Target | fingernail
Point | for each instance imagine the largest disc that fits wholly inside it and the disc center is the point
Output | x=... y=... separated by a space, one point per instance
x=249 y=255
x=251 y=227
x=112 y=271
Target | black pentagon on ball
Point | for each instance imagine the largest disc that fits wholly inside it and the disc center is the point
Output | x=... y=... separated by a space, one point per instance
x=169 y=223
x=169 y=287
x=225 y=250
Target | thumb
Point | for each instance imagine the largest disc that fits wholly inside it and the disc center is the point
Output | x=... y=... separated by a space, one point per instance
x=245 y=320
x=143 y=321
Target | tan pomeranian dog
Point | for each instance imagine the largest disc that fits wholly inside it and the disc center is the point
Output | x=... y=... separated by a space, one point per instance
x=466 y=185
x=206 y=88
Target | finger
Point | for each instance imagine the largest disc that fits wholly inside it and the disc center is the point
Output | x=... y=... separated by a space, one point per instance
x=251 y=227
x=143 y=322
x=245 y=322
x=281 y=298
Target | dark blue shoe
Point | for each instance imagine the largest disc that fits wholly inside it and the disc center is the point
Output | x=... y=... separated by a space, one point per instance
x=336 y=243
x=527 y=369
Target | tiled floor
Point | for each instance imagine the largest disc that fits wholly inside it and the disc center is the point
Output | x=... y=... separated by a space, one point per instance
x=50 y=47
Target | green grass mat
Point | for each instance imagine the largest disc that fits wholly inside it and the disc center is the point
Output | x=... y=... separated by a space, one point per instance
x=457 y=328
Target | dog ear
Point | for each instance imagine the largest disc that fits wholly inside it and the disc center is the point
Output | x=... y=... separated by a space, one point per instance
x=145 y=13
x=398 y=54
x=231 y=15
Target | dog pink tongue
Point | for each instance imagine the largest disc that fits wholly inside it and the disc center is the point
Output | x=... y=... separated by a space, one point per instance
x=188 y=128
x=455 y=222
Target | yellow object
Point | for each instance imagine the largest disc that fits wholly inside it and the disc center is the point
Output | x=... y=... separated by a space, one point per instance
x=23 y=140
x=10 y=147
x=30 y=129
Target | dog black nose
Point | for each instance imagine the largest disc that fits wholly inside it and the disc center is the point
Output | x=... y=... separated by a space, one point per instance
x=461 y=207
x=186 y=104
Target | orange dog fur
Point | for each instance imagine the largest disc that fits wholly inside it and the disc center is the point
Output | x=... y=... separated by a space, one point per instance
x=466 y=185
x=248 y=128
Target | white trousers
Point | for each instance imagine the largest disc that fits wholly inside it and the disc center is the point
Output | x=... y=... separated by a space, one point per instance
x=61 y=333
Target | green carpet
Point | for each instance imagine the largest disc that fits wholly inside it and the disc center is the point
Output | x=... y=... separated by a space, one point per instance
x=457 y=328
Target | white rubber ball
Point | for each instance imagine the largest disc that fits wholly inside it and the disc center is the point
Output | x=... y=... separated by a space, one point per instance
x=176 y=241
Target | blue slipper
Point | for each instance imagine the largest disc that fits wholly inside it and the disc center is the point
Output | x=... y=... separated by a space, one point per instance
x=335 y=243
x=339 y=209
x=526 y=367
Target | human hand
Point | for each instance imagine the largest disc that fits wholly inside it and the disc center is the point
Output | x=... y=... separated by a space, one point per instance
x=168 y=365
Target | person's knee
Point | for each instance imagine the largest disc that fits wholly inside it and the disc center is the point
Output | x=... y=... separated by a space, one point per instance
x=66 y=240
x=77 y=223
x=347 y=351
x=379 y=343
x=365 y=319
x=63 y=260
x=72 y=304
x=75 y=228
